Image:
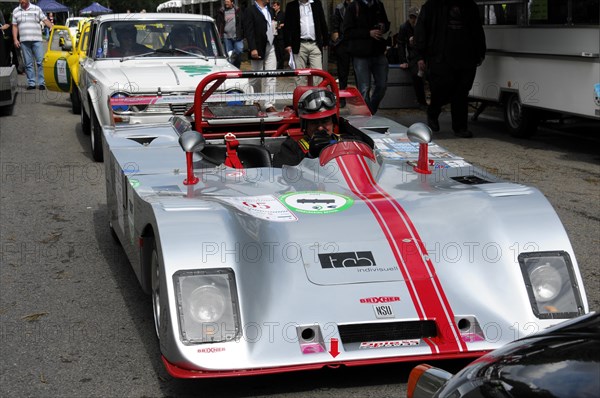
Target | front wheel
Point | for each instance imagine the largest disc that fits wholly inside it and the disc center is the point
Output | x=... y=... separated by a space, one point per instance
x=155 y=280
x=522 y=122
x=96 y=139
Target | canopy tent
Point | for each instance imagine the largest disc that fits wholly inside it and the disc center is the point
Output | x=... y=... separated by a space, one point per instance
x=52 y=6
x=169 y=4
x=95 y=9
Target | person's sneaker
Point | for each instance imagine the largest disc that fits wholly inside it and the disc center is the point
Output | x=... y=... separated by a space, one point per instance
x=463 y=133
x=433 y=124
x=30 y=87
x=42 y=87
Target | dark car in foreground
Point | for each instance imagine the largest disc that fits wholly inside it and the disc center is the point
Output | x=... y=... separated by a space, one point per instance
x=559 y=362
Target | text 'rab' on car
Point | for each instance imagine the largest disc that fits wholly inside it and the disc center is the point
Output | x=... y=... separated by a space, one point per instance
x=374 y=246
x=157 y=55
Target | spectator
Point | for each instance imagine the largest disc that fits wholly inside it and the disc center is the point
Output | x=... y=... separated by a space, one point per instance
x=258 y=30
x=408 y=55
x=306 y=33
x=229 y=24
x=339 y=45
x=27 y=36
x=4 y=48
x=279 y=23
x=450 y=44
x=128 y=45
x=366 y=28
x=46 y=29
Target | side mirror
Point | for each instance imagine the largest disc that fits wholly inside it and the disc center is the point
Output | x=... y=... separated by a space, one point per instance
x=191 y=141
x=421 y=134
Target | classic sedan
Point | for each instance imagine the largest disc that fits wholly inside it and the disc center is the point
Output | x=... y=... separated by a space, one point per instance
x=158 y=55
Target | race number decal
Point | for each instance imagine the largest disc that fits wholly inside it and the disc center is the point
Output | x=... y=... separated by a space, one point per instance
x=315 y=202
x=264 y=207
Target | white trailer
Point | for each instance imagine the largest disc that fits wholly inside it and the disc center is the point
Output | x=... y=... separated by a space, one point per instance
x=543 y=60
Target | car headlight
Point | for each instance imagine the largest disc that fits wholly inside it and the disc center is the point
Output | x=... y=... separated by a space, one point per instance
x=207 y=306
x=120 y=108
x=551 y=285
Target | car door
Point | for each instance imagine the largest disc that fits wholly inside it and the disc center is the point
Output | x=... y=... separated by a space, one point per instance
x=55 y=64
x=76 y=59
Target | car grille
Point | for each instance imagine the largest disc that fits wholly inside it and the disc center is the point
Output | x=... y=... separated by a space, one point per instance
x=357 y=333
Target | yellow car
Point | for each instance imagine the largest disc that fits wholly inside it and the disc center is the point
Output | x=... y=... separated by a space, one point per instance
x=62 y=61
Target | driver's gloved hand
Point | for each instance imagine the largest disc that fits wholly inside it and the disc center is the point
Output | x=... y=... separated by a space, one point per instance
x=319 y=140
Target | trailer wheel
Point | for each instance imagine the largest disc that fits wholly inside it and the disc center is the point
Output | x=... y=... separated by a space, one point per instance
x=522 y=122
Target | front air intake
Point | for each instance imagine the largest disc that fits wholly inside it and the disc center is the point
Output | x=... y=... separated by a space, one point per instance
x=357 y=333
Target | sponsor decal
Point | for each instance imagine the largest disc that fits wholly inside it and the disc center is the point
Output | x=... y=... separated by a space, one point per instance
x=380 y=299
x=265 y=207
x=62 y=74
x=316 y=202
x=390 y=343
x=347 y=260
x=383 y=311
x=196 y=70
x=210 y=350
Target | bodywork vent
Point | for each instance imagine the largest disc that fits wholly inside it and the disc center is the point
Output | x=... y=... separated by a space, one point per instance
x=179 y=109
x=357 y=333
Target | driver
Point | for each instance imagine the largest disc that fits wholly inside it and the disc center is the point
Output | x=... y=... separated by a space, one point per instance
x=127 y=42
x=317 y=109
x=179 y=38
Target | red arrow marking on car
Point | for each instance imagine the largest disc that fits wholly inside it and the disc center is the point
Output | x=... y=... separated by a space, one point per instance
x=333 y=350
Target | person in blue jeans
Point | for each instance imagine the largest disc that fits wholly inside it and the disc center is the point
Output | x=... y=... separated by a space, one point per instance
x=27 y=36
x=366 y=28
x=229 y=24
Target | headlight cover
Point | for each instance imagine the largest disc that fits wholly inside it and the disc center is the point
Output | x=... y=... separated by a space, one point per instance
x=551 y=285
x=207 y=306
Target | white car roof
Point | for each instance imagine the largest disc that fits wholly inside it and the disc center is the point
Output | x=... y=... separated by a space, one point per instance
x=153 y=16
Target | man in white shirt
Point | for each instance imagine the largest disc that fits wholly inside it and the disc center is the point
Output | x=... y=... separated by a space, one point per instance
x=27 y=36
x=306 y=32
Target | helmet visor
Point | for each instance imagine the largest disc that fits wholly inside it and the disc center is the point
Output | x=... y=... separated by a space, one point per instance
x=316 y=100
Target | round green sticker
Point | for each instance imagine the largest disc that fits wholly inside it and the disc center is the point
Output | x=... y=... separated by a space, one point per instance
x=316 y=202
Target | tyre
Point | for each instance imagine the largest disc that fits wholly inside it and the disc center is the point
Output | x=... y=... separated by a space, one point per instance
x=522 y=122
x=156 y=289
x=75 y=101
x=96 y=139
x=85 y=121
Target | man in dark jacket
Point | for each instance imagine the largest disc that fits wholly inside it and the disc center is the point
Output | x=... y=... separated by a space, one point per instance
x=451 y=44
x=366 y=28
x=258 y=29
x=305 y=32
x=339 y=44
x=229 y=24
x=408 y=55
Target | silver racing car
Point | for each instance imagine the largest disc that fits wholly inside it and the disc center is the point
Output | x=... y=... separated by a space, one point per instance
x=374 y=245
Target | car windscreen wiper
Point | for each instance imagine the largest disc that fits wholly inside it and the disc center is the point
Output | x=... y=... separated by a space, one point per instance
x=165 y=51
